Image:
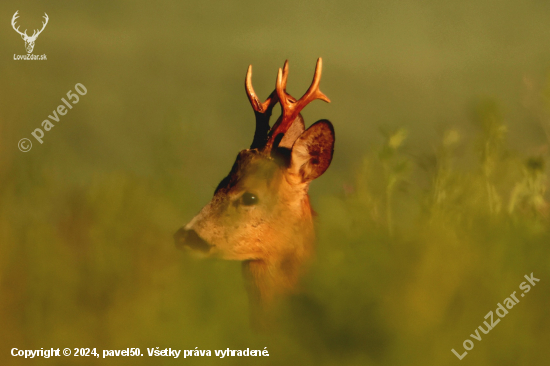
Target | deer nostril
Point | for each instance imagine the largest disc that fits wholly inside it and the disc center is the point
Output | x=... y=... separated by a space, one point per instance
x=189 y=238
x=179 y=238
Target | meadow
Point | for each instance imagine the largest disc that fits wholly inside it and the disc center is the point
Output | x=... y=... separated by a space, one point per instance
x=435 y=207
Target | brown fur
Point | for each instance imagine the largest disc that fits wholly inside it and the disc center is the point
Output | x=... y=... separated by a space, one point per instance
x=260 y=213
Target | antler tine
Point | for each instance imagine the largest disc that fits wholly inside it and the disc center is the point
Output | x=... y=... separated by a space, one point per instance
x=43 y=25
x=285 y=76
x=313 y=92
x=13 y=20
x=262 y=111
x=290 y=107
x=253 y=98
x=251 y=94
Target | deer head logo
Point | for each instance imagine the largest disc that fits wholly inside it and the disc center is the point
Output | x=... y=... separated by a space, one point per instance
x=29 y=41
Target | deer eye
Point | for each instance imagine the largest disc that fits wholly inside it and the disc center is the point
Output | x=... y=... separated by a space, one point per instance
x=249 y=199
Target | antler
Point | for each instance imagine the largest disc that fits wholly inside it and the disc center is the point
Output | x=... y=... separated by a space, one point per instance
x=262 y=111
x=290 y=107
x=15 y=16
x=35 y=35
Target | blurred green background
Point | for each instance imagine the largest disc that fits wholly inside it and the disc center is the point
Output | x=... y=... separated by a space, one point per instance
x=433 y=210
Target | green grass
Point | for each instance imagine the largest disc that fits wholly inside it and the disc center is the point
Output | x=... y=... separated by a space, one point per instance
x=434 y=208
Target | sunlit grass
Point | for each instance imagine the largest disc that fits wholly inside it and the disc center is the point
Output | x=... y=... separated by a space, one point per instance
x=404 y=272
x=418 y=236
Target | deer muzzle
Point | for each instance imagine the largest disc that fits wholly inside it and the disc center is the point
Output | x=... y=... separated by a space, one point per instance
x=188 y=238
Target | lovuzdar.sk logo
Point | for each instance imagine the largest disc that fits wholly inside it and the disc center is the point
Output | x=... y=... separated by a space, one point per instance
x=29 y=40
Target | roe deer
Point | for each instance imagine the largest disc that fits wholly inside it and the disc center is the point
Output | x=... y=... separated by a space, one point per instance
x=260 y=213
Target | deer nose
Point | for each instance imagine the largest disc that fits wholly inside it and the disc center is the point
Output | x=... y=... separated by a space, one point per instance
x=189 y=238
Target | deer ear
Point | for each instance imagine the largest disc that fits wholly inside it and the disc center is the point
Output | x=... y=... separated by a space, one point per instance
x=312 y=152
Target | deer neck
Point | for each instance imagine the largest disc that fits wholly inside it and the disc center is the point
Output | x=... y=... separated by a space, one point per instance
x=278 y=275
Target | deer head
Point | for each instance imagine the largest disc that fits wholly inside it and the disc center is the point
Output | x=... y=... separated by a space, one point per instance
x=29 y=41
x=260 y=213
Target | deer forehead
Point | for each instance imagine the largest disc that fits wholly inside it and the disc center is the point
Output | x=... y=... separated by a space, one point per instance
x=252 y=171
